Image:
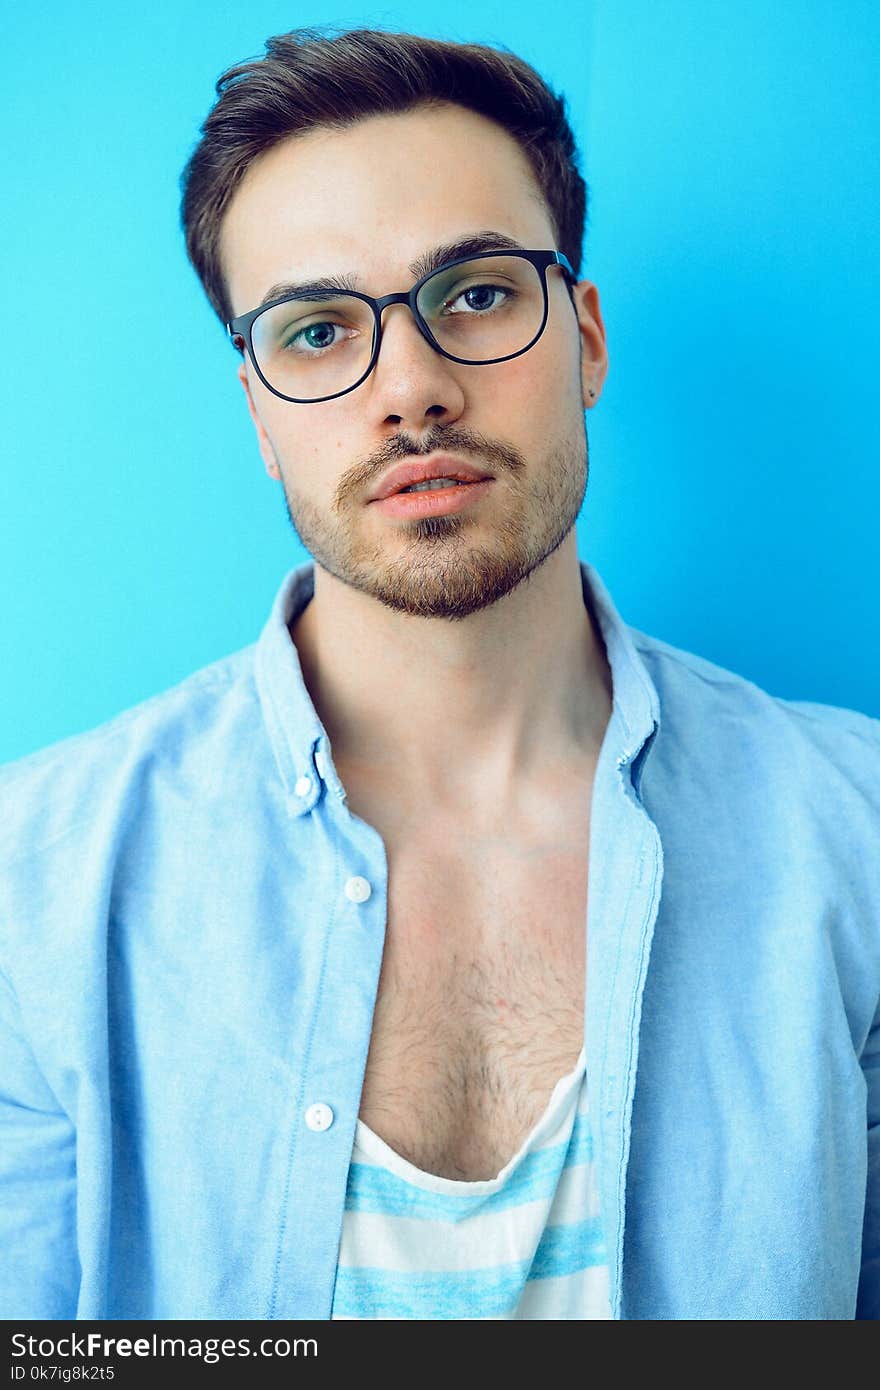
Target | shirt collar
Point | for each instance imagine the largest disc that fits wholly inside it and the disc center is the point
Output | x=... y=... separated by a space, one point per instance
x=299 y=739
x=636 y=703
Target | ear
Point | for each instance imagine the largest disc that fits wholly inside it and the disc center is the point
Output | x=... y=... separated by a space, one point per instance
x=594 y=349
x=266 y=448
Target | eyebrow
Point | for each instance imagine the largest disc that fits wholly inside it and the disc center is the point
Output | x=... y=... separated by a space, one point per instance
x=425 y=264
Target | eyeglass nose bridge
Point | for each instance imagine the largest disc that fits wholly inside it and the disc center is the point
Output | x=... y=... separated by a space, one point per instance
x=401 y=298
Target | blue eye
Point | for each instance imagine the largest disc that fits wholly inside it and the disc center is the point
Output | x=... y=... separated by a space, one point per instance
x=480 y=293
x=479 y=299
x=319 y=329
x=315 y=338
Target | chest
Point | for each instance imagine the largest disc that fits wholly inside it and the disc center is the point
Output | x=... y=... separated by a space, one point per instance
x=480 y=1005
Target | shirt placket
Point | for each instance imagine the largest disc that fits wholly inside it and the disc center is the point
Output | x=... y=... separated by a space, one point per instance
x=626 y=875
x=351 y=922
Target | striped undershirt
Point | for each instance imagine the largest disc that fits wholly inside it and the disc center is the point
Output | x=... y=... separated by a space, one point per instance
x=525 y=1244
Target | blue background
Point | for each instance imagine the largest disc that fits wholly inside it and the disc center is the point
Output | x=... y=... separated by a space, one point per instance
x=731 y=152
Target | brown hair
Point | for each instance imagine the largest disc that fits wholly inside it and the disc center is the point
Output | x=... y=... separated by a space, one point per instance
x=328 y=77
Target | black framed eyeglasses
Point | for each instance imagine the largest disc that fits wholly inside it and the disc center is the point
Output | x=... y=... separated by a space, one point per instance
x=317 y=344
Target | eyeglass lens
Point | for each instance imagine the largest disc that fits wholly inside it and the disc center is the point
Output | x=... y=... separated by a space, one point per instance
x=482 y=309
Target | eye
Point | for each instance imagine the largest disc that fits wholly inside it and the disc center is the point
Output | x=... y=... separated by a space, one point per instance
x=478 y=299
x=317 y=337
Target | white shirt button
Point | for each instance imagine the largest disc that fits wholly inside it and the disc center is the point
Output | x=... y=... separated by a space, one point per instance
x=358 y=889
x=303 y=786
x=319 y=1116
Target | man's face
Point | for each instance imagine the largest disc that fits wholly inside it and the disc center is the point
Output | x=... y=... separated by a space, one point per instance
x=369 y=201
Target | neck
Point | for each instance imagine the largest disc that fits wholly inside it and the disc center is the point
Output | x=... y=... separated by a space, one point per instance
x=501 y=698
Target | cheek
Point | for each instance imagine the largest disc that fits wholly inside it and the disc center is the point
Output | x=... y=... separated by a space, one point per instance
x=317 y=454
x=310 y=446
x=533 y=389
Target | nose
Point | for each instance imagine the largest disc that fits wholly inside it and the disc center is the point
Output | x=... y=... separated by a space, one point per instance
x=411 y=379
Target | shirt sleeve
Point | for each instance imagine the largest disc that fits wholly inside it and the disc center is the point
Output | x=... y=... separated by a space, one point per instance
x=869 y=1285
x=39 y=1268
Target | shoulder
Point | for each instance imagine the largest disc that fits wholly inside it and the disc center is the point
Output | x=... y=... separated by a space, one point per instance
x=71 y=782
x=699 y=696
x=778 y=800
x=701 y=687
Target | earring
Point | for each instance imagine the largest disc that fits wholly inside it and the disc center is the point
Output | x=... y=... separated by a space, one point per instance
x=592 y=393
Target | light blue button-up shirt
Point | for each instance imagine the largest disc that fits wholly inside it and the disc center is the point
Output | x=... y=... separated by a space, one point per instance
x=191 y=931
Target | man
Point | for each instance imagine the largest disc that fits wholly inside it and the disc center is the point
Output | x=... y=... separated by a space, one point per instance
x=455 y=950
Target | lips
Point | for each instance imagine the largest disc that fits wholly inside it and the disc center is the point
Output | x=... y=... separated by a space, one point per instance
x=437 y=466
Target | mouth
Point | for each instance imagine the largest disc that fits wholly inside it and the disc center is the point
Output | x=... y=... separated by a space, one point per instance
x=440 y=470
x=436 y=497
x=435 y=484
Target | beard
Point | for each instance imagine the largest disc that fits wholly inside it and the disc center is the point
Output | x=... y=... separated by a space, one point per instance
x=449 y=566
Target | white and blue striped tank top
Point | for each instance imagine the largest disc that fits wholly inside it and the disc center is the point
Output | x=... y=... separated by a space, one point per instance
x=525 y=1244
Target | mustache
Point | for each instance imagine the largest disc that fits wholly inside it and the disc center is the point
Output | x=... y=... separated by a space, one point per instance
x=450 y=439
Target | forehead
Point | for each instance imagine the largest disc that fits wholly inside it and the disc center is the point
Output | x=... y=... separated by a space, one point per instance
x=371 y=199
